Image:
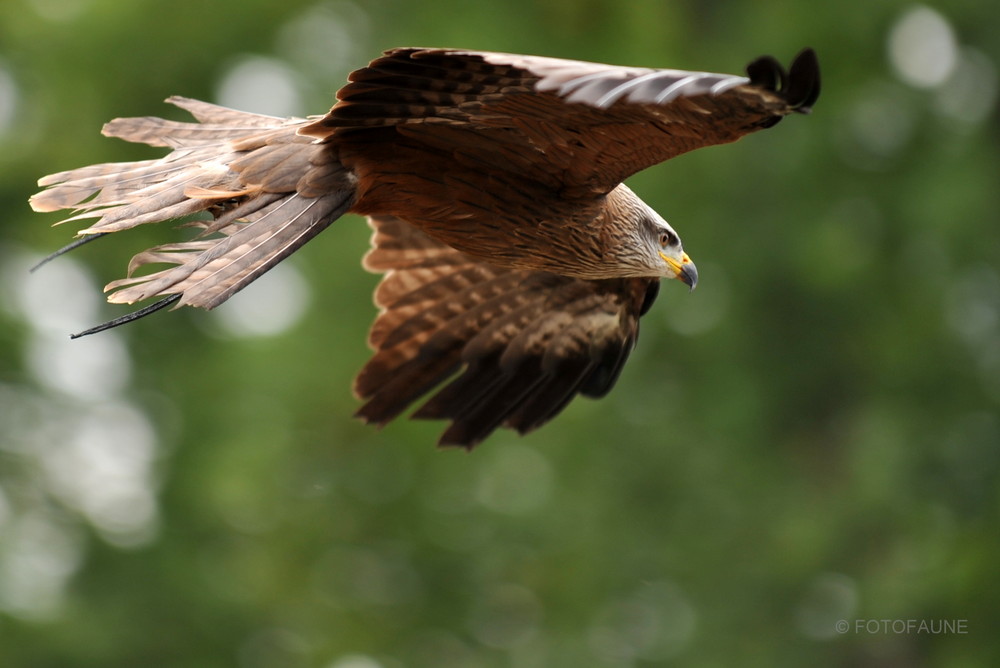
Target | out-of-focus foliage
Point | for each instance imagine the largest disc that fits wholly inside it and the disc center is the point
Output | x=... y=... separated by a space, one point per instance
x=811 y=436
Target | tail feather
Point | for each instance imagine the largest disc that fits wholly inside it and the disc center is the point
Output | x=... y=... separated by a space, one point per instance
x=68 y=189
x=213 y=114
x=172 y=134
x=215 y=125
x=116 y=209
x=243 y=169
x=209 y=271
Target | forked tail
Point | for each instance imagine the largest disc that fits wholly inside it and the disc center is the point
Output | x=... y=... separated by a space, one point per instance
x=262 y=191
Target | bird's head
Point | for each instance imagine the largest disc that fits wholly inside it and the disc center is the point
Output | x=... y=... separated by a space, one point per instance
x=675 y=262
x=663 y=249
x=649 y=245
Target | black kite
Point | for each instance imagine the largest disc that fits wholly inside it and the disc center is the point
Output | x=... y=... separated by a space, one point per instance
x=515 y=261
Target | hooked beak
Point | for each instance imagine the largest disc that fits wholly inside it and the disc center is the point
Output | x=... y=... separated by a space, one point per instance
x=684 y=270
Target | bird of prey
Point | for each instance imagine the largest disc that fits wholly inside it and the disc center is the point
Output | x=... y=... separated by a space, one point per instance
x=515 y=263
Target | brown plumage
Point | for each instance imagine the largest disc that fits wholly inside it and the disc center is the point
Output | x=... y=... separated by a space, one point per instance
x=515 y=262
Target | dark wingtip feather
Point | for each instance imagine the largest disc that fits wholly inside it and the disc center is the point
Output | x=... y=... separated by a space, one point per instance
x=67 y=248
x=799 y=86
x=605 y=374
x=767 y=73
x=135 y=315
x=804 y=81
x=652 y=290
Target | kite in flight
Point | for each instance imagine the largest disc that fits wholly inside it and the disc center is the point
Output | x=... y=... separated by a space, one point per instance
x=515 y=263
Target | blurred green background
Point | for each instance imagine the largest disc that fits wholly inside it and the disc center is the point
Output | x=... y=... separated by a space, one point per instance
x=811 y=436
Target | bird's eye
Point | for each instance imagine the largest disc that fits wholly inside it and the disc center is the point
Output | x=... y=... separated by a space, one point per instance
x=667 y=238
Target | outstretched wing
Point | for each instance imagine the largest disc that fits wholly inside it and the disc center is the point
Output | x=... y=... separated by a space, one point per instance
x=268 y=190
x=575 y=126
x=522 y=343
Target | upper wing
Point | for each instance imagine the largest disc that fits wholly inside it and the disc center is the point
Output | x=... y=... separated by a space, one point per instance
x=568 y=124
x=524 y=343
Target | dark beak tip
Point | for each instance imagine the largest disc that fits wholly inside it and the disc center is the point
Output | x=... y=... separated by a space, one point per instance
x=689 y=275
